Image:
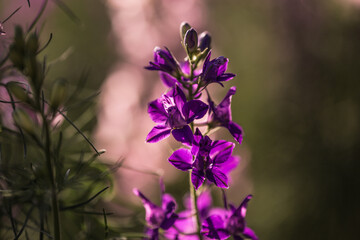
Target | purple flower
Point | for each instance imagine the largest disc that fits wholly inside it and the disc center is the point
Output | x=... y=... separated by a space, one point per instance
x=229 y=223
x=158 y=217
x=173 y=113
x=220 y=115
x=207 y=159
x=164 y=61
x=214 y=70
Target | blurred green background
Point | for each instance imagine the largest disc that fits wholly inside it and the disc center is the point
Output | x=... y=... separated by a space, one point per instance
x=298 y=66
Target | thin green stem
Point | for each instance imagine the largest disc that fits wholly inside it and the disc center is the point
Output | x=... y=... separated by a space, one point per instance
x=194 y=207
x=195 y=210
x=50 y=165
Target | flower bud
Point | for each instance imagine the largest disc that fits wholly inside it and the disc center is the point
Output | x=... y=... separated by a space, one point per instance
x=58 y=93
x=34 y=70
x=19 y=38
x=17 y=52
x=32 y=44
x=184 y=27
x=18 y=91
x=23 y=120
x=191 y=41
x=204 y=41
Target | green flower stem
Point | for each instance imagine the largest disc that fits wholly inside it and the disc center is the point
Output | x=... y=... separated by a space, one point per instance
x=50 y=165
x=193 y=196
x=194 y=207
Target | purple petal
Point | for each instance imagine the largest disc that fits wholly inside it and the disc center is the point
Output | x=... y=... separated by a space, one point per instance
x=222 y=112
x=223 y=213
x=216 y=176
x=183 y=135
x=219 y=146
x=181 y=159
x=167 y=79
x=142 y=196
x=197 y=178
x=213 y=227
x=225 y=103
x=249 y=233
x=226 y=77
x=157 y=112
x=207 y=60
x=169 y=221
x=179 y=97
x=158 y=133
x=152 y=66
x=229 y=165
x=165 y=60
x=184 y=224
x=223 y=155
x=241 y=210
x=198 y=95
x=154 y=215
x=196 y=141
x=168 y=204
x=222 y=63
x=152 y=234
x=194 y=109
x=236 y=131
x=185 y=67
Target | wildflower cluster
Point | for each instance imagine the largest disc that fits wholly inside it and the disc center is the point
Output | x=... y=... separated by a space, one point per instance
x=182 y=113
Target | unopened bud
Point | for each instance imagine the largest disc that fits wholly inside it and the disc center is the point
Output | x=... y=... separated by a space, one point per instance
x=58 y=93
x=17 y=52
x=184 y=27
x=32 y=44
x=34 y=70
x=19 y=37
x=204 y=41
x=18 y=91
x=23 y=120
x=191 y=40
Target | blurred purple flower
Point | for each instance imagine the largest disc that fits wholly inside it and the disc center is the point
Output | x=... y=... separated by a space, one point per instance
x=211 y=160
x=158 y=217
x=214 y=70
x=172 y=112
x=185 y=226
x=228 y=223
x=164 y=61
x=220 y=115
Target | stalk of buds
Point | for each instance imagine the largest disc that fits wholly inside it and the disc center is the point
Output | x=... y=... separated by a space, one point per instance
x=209 y=162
